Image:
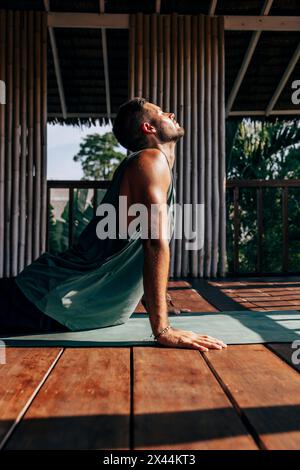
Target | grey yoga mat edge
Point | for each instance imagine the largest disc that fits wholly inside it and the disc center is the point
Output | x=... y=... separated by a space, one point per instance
x=236 y=327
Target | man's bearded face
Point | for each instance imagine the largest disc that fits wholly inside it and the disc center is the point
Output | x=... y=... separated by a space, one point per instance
x=168 y=130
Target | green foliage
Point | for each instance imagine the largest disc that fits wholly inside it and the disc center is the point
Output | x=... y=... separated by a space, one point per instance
x=99 y=156
x=264 y=150
x=55 y=230
x=82 y=214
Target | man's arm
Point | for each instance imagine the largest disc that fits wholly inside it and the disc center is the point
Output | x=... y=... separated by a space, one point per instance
x=152 y=178
x=156 y=268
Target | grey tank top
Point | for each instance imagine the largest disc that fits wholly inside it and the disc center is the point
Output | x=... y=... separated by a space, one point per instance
x=97 y=282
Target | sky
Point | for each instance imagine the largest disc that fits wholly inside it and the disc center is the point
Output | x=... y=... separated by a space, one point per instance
x=63 y=144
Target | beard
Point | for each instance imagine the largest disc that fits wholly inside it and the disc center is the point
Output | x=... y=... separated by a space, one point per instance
x=170 y=135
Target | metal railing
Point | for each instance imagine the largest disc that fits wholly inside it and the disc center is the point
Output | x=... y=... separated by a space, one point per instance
x=237 y=185
x=71 y=186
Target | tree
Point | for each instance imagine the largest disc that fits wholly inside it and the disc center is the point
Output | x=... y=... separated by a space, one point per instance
x=99 y=156
x=264 y=150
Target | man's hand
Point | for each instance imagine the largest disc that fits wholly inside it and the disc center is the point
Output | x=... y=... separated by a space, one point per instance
x=188 y=339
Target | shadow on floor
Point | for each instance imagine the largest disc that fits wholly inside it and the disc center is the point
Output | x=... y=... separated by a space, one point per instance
x=150 y=430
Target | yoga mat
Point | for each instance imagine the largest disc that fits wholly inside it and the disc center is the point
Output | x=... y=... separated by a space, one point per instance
x=241 y=327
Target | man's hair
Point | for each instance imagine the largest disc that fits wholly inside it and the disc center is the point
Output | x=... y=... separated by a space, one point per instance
x=127 y=124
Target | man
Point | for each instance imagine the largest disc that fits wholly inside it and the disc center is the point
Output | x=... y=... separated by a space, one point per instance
x=98 y=282
x=156 y=132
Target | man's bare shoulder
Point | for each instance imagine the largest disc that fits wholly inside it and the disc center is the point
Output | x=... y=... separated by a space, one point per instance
x=150 y=165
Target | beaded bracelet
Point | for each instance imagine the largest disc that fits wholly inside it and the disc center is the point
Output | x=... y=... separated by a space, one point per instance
x=162 y=332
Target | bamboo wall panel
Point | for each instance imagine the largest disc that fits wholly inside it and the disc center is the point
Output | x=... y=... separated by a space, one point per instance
x=177 y=62
x=23 y=134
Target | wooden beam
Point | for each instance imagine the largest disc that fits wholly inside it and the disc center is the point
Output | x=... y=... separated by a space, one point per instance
x=284 y=80
x=259 y=183
x=121 y=21
x=212 y=7
x=246 y=61
x=281 y=112
x=259 y=23
x=58 y=73
x=105 y=61
x=88 y=20
x=81 y=115
x=56 y=64
x=275 y=112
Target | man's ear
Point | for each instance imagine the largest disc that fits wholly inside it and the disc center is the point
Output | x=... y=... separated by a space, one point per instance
x=147 y=128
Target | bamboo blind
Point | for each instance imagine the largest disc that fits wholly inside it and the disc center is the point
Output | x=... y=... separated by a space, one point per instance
x=177 y=62
x=23 y=130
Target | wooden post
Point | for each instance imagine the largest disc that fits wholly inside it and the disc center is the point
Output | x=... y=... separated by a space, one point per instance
x=187 y=138
x=208 y=150
x=43 y=223
x=132 y=39
x=153 y=54
x=71 y=216
x=160 y=62
x=22 y=229
x=236 y=222
x=146 y=58
x=179 y=187
x=139 y=64
x=30 y=97
x=23 y=121
x=3 y=20
x=16 y=149
x=222 y=154
x=260 y=228
x=215 y=150
x=201 y=126
x=37 y=140
x=48 y=215
x=95 y=201
x=167 y=63
x=285 y=230
x=8 y=153
x=194 y=136
x=174 y=106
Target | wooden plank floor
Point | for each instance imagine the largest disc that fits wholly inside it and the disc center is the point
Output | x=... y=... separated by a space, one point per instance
x=246 y=397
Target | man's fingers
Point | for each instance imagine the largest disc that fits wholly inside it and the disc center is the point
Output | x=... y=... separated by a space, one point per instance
x=218 y=343
x=199 y=347
x=188 y=343
x=210 y=345
x=214 y=340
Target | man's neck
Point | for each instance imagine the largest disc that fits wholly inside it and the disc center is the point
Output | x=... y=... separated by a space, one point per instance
x=169 y=150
